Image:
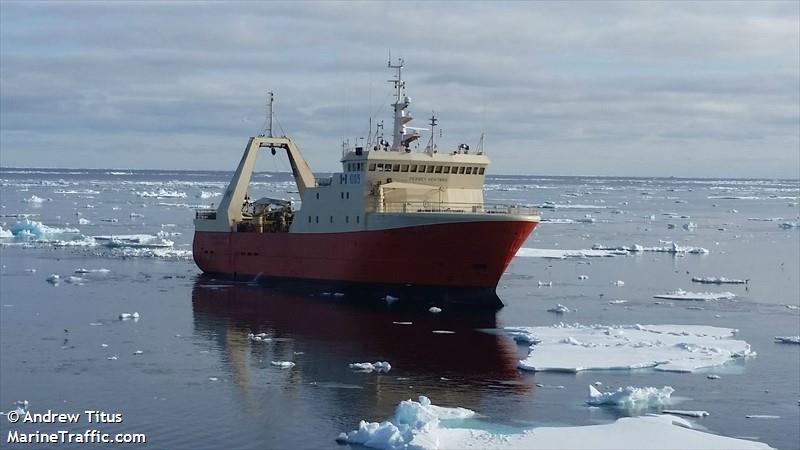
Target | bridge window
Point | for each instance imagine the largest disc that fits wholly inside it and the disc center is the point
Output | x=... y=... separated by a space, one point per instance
x=481 y=170
x=404 y=168
x=469 y=170
x=396 y=168
x=438 y=169
x=446 y=169
x=317 y=219
x=413 y=168
x=372 y=167
x=380 y=167
x=460 y=170
x=428 y=169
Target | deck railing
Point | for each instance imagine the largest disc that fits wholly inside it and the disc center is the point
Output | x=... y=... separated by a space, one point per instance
x=456 y=208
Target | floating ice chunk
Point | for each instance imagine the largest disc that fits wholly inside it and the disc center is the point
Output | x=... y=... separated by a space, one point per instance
x=689 y=226
x=138 y=352
x=5 y=234
x=631 y=397
x=619 y=283
x=35 y=199
x=681 y=412
x=204 y=194
x=83 y=221
x=443 y=332
x=21 y=406
x=617 y=302
x=338 y=294
x=788 y=339
x=792 y=307
x=112 y=220
x=761 y=416
x=380 y=367
x=34 y=229
x=389 y=299
x=161 y=193
x=434 y=310
x=74 y=280
x=718 y=280
x=403 y=323
x=260 y=337
x=552 y=205
x=134 y=215
x=559 y=309
x=92 y=271
x=712 y=376
x=583 y=277
x=545 y=283
x=765 y=219
x=53 y=279
x=680 y=294
x=283 y=364
x=675 y=348
x=789 y=225
x=420 y=426
x=213 y=379
x=129 y=316
x=113 y=358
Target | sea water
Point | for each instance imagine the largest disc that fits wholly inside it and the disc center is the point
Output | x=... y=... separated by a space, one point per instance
x=187 y=374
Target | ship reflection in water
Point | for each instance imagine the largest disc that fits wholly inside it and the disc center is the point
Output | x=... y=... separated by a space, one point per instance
x=447 y=356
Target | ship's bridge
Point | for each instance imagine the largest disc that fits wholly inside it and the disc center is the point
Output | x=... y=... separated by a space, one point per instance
x=394 y=179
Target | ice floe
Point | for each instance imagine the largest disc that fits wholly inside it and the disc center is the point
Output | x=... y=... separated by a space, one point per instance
x=674 y=348
x=669 y=247
x=618 y=283
x=204 y=194
x=129 y=316
x=434 y=310
x=53 y=279
x=380 y=367
x=260 y=337
x=631 y=397
x=424 y=426
x=788 y=339
x=85 y=271
x=5 y=233
x=680 y=294
x=789 y=225
x=82 y=221
x=718 y=280
x=545 y=283
x=134 y=240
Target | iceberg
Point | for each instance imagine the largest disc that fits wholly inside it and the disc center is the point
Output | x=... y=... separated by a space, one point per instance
x=631 y=397
x=423 y=426
x=672 y=348
x=5 y=234
x=27 y=228
x=680 y=294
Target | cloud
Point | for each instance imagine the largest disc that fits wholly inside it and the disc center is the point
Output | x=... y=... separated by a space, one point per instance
x=559 y=88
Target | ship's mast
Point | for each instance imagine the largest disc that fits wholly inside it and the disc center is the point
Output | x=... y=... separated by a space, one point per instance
x=401 y=136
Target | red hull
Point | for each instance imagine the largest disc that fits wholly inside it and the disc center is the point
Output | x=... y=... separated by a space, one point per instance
x=461 y=254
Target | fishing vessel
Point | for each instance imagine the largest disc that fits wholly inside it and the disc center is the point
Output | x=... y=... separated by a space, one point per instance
x=397 y=214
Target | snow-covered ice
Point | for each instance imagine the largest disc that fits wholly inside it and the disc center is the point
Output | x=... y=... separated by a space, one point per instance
x=545 y=283
x=674 y=348
x=161 y=193
x=618 y=283
x=35 y=199
x=434 y=310
x=5 y=233
x=129 y=316
x=422 y=426
x=788 y=339
x=680 y=294
x=380 y=366
x=53 y=279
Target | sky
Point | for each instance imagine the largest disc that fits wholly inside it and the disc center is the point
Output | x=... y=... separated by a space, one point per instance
x=635 y=88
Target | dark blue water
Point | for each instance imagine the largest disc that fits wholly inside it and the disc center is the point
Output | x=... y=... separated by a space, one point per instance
x=201 y=383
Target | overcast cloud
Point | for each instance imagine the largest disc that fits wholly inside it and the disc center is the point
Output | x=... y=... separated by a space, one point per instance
x=629 y=88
